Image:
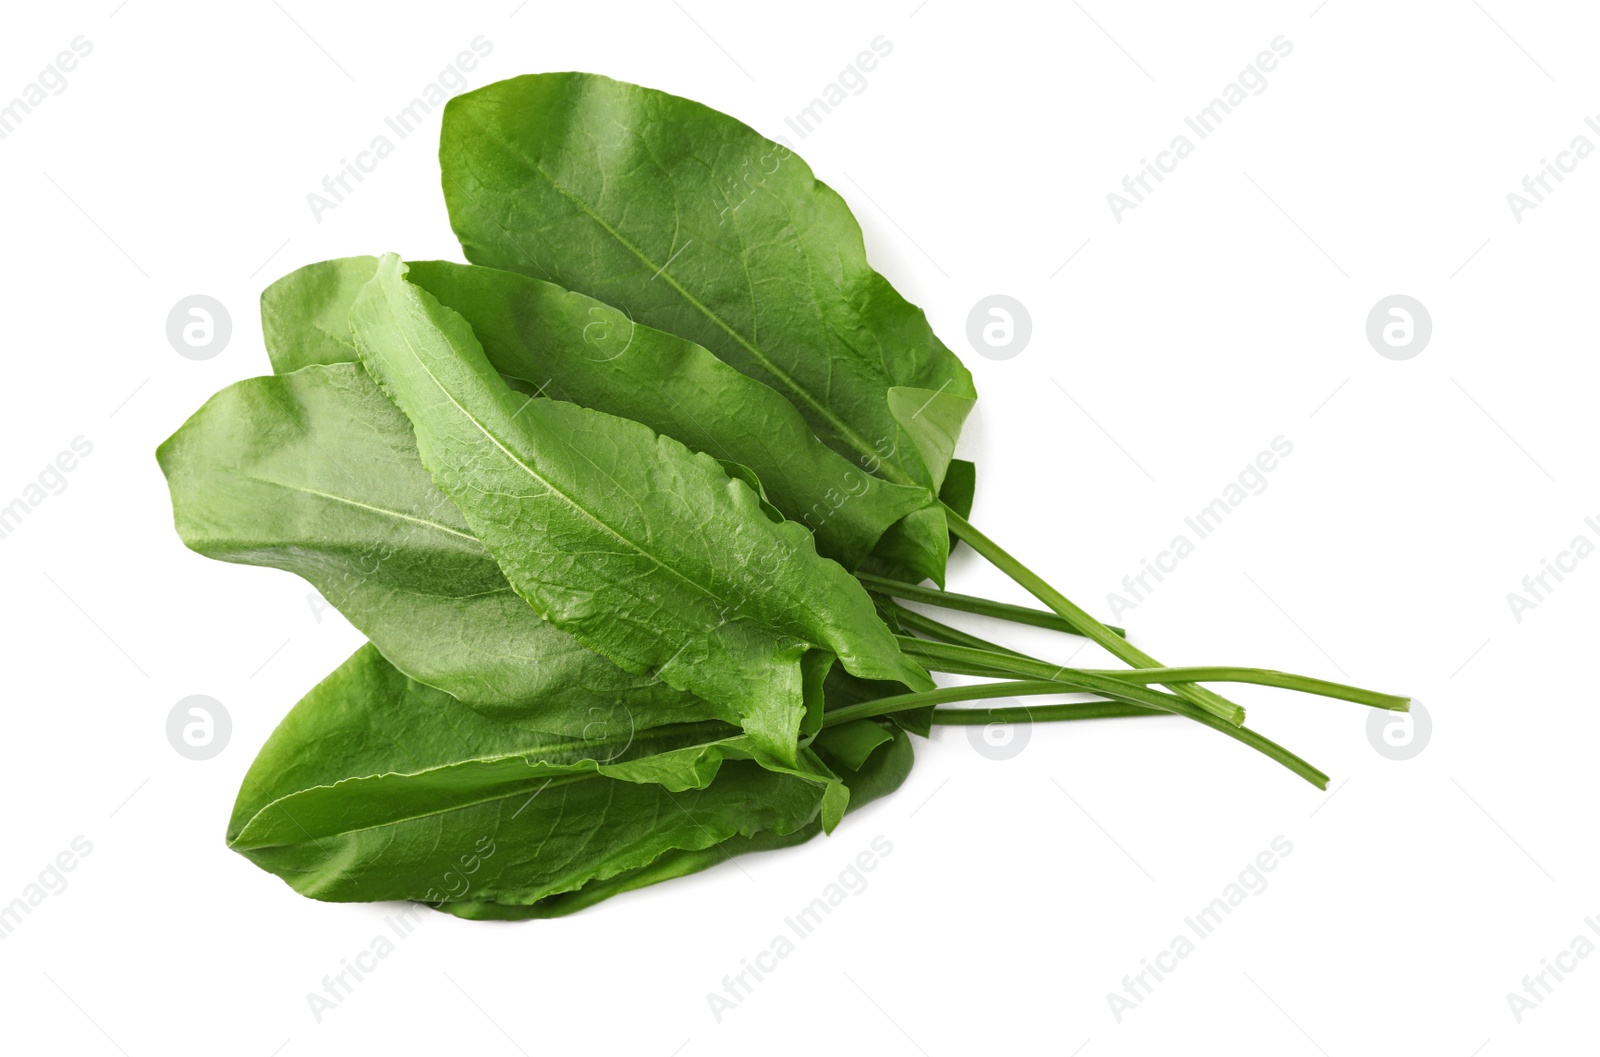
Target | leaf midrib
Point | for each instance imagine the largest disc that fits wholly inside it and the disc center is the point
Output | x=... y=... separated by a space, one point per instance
x=535 y=475
x=397 y=515
x=849 y=435
x=489 y=795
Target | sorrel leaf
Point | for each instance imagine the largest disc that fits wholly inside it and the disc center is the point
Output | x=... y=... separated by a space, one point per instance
x=693 y=222
x=642 y=550
x=317 y=473
x=378 y=787
x=879 y=775
x=544 y=339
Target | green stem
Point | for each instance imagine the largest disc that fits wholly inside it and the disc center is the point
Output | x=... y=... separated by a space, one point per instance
x=1270 y=749
x=942 y=655
x=980 y=662
x=1088 y=626
x=883 y=706
x=938 y=630
x=982 y=717
x=983 y=671
x=1260 y=677
x=1123 y=695
x=983 y=607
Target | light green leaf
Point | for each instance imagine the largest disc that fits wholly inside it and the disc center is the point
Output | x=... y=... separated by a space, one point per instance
x=317 y=473
x=547 y=340
x=642 y=550
x=305 y=316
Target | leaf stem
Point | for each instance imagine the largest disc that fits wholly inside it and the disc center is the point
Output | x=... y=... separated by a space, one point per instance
x=938 y=630
x=983 y=607
x=883 y=706
x=980 y=717
x=1260 y=677
x=1124 y=696
x=981 y=662
x=942 y=655
x=1268 y=748
x=1087 y=625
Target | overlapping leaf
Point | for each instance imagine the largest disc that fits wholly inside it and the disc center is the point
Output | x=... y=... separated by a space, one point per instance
x=692 y=222
x=599 y=651
x=378 y=787
x=642 y=550
x=316 y=472
x=593 y=556
x=544 y=339
x=879 y=774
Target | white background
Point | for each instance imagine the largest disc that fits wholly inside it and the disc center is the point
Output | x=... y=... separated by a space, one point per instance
x=1227 y=309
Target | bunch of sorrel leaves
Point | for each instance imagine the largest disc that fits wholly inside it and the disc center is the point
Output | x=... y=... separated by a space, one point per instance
x=628 y=509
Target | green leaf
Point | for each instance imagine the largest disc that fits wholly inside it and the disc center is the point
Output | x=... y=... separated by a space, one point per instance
x=305 y=316
x=692 y=222
x=740 y=472
x=544 y=339
x=368 y=745
x=852 y=743
x=317 y=473
x=911 y=544
x=645 y=552
x=881 y=774
x=960 y=487
x=378 y=787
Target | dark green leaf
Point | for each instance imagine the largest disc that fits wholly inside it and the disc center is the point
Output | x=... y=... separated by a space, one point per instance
x=881 y=774
x=378 y=787
x=960 y=486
